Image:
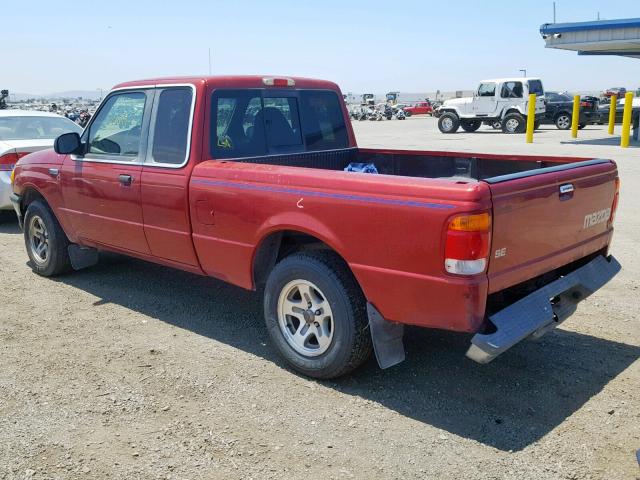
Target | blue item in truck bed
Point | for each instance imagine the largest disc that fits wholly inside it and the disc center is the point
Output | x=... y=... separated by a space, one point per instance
x=361 y=168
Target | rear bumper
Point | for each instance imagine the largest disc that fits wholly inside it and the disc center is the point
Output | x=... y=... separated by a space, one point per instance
x=535 y=314
x=5 y=190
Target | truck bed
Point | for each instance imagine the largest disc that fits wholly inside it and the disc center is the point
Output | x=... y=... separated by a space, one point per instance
x=420 y=164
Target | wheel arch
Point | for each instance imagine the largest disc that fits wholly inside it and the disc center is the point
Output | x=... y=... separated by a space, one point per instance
x=281 y=242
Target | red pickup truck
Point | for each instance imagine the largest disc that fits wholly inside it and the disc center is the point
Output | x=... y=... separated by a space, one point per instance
x=250 y=180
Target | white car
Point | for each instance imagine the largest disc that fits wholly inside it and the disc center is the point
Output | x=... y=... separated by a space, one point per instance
x=501 y=103
x=23 y=132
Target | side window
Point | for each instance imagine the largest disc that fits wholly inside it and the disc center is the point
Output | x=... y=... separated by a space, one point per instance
x=511 y=90
x=170 y=133
x=282 y=121
x=237 y=126
x=487 y=90
x=323 y=124
x=116 y=131
x=535 y=86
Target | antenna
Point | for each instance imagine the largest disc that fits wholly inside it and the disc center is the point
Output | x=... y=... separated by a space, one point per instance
x=554 y=12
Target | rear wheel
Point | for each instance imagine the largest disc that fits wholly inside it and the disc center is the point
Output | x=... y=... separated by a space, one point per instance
x=470 y=125
x=45 y=241
x=448 y=122
x=563 y=121
x=513 y=123
x=316 y=314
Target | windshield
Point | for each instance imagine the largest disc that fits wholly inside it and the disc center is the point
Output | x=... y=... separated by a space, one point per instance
x=35 y=127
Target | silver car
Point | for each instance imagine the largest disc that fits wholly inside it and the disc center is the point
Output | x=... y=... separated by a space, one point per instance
x=23 y=132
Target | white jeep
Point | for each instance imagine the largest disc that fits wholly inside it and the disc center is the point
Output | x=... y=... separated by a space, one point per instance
x=501 y=103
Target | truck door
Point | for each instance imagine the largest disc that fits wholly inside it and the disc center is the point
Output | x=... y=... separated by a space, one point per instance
x=165 y=175
x=484 y=101
x=101 y=189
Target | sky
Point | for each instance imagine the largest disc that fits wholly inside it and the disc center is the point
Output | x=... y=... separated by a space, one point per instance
x=364 y=46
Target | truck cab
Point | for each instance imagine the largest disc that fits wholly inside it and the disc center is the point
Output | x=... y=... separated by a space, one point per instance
x=498 y=101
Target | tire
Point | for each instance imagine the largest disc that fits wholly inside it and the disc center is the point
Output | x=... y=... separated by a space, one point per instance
x=536 y=125
x=563 y=121
x=496 y=125
x=470 y=125
x=317 y=275
x=581 y=126
x=448 y=122
x=40 y=225
x=408 y=114
x=513 y=123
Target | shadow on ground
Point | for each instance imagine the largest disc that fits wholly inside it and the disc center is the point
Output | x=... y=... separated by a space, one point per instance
x=507 y=404
x=10 y=226
x=612 y=141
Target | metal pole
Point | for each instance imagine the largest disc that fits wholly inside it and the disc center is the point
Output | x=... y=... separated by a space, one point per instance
x=626 y=120
x=554 y=12
x=612 y=113
x=575 y=117
x=531 y=117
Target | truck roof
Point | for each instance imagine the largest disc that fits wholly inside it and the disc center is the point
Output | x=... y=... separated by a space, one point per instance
x=235 y=81
x=509 y=79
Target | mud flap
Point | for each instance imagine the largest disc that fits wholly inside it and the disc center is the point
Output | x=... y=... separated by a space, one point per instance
x=387 y=339
x=82 y=257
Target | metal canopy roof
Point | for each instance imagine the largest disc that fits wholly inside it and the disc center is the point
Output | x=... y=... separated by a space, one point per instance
x=601 y=37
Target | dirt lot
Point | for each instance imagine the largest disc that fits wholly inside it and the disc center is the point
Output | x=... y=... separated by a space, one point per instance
x=130 y=370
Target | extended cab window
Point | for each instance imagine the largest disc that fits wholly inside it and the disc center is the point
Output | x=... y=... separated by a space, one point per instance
x=116 y=130
x=487 y=90
x=170 y=132
x=511 y=90
x=237 y=126
x=323 y=124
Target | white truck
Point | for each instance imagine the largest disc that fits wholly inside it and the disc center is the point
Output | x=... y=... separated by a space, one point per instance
x=501 y=103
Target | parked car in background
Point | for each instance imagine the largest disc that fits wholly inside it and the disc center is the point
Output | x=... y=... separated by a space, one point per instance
x=420 y=108
x=619 y=91
x=604 y=110
x=501 y=103
x=559 y=110
x=23 y=132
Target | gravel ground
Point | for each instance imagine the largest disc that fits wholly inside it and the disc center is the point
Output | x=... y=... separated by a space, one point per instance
x=131 y=370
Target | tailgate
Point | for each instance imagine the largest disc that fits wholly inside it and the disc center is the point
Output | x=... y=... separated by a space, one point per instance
x=544 y=219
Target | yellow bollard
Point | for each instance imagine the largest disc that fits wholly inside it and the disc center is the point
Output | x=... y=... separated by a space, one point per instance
x=531 y=117
x=612 y=113
x=575 y=117
x=626 y=120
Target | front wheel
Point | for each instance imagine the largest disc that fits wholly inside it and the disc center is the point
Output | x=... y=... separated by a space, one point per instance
x=563 y=121
x=513 y=123
x=45 y=241
x=316 y=314
x=448 y=122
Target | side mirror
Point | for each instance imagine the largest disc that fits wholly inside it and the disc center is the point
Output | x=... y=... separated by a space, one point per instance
x=68 y=143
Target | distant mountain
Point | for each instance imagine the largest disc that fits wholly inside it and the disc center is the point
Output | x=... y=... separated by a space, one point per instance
x=87 y=94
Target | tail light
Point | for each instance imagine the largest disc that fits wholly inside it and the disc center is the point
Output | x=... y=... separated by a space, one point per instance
x=8 y=161
x=467 y=244
x=614 y=205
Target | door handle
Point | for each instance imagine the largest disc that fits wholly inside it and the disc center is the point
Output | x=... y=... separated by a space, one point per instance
x=125 y=180
x=54 y=172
